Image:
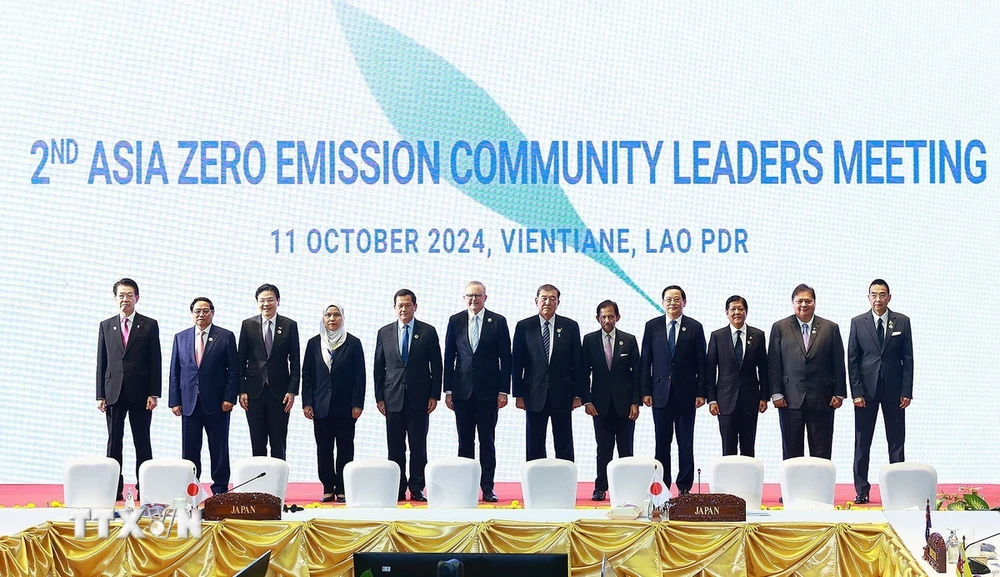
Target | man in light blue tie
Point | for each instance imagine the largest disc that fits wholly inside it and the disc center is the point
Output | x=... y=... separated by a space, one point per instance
x=407 y=376
x=808 y=377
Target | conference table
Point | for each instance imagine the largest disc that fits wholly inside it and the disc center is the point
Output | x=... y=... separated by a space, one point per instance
x=320 y=541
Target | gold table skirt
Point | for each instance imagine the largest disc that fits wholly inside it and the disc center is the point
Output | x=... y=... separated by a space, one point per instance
x=324 y=547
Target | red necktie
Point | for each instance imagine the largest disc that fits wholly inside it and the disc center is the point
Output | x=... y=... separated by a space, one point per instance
x=199 y=350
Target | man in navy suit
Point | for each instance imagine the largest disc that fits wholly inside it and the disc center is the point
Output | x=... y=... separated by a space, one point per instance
x=673 y=372
x=808 y=380
x=612 y=358
x=129 y=375
x=736 y=377
x=407 y=388
x=204 y=382
x=880 y=365
x=548 y=375
x=477 y=379
x=270 y=369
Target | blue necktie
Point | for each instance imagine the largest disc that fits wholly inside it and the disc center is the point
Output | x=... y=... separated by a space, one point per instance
x=406 y=343
x=474 y=338
x=739 y=348
x=672 y=337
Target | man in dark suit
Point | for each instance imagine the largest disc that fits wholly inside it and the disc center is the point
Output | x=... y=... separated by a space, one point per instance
x=129 y=375
x=808 y=379
x=269 y=372
x=477 y=379
x=673 y=373
x=548 y=375
x=880 y=365
x=204 y=382
x=736 y=374
x=407 y=388
x=612 y=360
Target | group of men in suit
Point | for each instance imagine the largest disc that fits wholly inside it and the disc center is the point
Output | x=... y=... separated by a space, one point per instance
x=548 y=369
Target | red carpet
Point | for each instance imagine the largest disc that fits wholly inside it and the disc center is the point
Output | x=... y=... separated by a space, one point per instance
x=310 y=493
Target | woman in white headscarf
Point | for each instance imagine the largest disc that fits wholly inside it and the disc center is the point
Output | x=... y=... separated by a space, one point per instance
x=333 y=396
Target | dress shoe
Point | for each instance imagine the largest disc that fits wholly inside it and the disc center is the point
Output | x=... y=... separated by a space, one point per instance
x=490 y=496
x=327 y=498
x=861 y=499
x=341 y=498
x=418 y=496
x=120 y=497
x=401 y=497
x=598 y=495
x=685 y=492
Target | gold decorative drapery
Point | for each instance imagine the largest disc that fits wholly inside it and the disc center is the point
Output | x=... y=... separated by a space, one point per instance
x=324 y=547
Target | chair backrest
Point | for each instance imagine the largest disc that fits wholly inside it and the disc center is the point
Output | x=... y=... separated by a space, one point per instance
x=740 y=476
x=907 y=486
x=807 y=483
x=629 y=478
x=549 y=484
x=371 y=483
x=274 y=481
x=163 y=480
x=90 y=482
x=453 y=483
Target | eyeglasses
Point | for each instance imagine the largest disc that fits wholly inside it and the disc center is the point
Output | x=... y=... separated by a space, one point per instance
x=200 y=312
x=879 y=295
x=737 y=310
x=474 y=297
x=803 y=302
x=268 y=300
x=674 y=300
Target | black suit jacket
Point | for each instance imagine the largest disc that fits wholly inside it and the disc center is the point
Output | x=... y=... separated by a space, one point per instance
x=620 y=383
x=807 y=378
x=281 y=370
x=894 y=359
x=215 y=381
x=728 y=382
x=536 y=378
x=419 y=379
x=137 y=369
x=485 y=373
x=334 y=391
x=683 y=371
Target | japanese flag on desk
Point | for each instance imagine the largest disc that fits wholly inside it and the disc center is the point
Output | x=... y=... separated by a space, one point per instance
x=657 y=490
x=196 y=493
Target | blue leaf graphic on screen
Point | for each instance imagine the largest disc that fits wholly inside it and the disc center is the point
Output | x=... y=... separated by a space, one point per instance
x=426 y=98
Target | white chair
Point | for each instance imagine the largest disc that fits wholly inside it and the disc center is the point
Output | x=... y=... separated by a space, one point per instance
x=907 y=486
x=163 y=480
x=371 y=483
x=629 y=479
x=740 y=476
x=274 y=481
x=453 y=483
x=807 y=483
x=549 y=484
x=90 y=482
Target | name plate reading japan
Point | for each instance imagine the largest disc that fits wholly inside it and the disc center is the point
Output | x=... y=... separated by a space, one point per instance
x=248 y=506
x=712 y=507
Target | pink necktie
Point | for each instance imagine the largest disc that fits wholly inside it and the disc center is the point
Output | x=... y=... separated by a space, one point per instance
x=125 y=331
x=199 y=350
x=607 y=350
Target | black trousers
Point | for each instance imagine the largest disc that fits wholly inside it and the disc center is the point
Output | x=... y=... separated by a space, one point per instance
x=680 y=419
x=609 y=430
x=536 y=429
x=408 y=426
x=139 y=420
x=471 y=416
x=739 y=430
x=216 y=427
x=864 y=433
x=330 y=432
x=268 y=422
x=795 y=423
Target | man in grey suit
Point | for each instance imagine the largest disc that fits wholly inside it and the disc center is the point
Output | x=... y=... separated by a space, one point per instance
x=880 y=365
x=613 y=361
x=477 y=379
x=737 y=379
x=808 y=378
x=407 y=388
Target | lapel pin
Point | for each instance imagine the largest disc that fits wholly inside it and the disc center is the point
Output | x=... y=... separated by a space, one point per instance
x=749 y=339
x=114 y=328
x=210 y=339
x=814 y=330
x=683 y=329
x=621 y=343
x=489 y=319
x=416 y=336
x=279 y=331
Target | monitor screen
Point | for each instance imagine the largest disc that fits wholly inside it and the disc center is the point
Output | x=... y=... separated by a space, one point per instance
x=476 y=564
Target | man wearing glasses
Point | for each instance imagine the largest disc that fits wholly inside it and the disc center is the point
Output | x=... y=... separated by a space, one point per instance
x=477 y=378
x=673 y=375
x=880 y=365
x=204 y=382
x=808 y=380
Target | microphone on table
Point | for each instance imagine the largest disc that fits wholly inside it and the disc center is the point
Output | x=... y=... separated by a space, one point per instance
x=262 y=473
x=699 y=481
